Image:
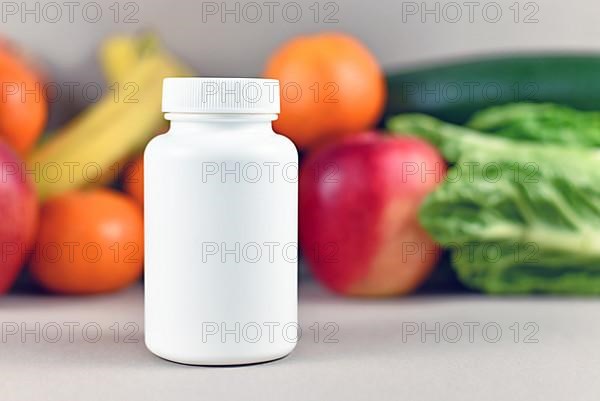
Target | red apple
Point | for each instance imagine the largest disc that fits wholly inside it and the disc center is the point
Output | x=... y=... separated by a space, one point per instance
x=18 y=214
x=359 y=202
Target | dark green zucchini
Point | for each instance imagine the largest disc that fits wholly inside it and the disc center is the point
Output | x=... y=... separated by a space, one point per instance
x=453 y=92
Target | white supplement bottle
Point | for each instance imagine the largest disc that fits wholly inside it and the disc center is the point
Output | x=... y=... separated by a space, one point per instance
x=220 y=207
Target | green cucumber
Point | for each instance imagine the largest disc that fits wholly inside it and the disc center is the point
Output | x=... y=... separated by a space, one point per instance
x=453 y=92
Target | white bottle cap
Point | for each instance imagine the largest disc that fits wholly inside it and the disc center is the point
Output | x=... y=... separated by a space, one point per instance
x=220 y=95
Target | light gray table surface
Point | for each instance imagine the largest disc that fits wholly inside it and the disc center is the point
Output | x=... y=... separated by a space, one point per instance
x=373 y=355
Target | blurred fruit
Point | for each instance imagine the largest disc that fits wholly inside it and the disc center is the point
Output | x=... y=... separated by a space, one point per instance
x=18 y=214
x=133 y=179
x=330 y=86
x=117 y=55
x=107 y=132
x=88 y=242
x=23 y=107
x=359 y=201
x=120 y=54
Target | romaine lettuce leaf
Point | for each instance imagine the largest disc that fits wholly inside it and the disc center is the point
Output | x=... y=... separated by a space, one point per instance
x=518 y=217
x=540 y=122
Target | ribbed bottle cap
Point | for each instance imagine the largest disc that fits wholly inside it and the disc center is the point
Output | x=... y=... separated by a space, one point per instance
x=220 y=95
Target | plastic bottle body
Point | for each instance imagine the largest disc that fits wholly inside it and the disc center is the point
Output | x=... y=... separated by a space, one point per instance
x=221 y=241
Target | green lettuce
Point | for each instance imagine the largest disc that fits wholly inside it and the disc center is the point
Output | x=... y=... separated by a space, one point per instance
x=540 y=122
x=517 y=216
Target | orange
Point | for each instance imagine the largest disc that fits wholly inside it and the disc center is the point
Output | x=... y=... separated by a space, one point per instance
x=23 y=107
x=133 y=179
x=330 y=86
x=88 y=242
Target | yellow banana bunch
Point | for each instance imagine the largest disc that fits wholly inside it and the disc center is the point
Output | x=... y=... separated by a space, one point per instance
x=89 y=148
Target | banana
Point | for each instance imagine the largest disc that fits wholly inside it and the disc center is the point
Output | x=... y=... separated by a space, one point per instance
x=120 y=54
x=87 y=149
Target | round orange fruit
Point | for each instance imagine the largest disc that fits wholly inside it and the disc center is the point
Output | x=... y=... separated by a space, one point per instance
x=88 y=242
x=23 y=107
x=330 y=85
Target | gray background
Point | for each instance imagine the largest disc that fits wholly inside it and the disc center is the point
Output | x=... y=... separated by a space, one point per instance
x=368 y=353
x=225 y=48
